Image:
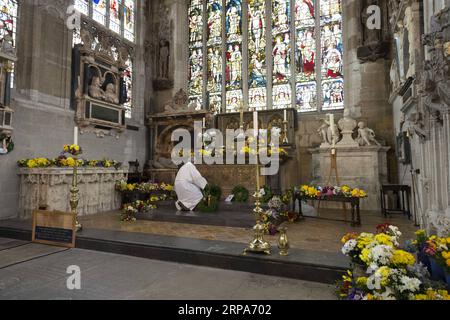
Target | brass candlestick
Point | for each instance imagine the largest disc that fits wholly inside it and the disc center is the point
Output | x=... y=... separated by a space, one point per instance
x=258 y=244
x=74 y=195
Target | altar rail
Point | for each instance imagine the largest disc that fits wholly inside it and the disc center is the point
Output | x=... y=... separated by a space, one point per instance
x=49 y=188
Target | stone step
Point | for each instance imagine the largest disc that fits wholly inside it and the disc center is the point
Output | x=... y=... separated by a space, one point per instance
x=316 y=266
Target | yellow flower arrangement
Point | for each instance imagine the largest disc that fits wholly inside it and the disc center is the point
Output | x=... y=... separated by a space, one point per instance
x=364 y=240
x=131 y=187
x=348 y=237
x=431 y=294
x=402 y=258
x=346 y=189
x=385 y=239
x=358 y=193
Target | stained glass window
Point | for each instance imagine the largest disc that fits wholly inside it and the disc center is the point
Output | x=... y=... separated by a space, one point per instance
x=129 y=19
x=82 y=6
x=257 y=78
x=128 y=79
x=114 y=15
x=8 y=25
x=196 y=53
x=332 y=54
x=99 y=11
x=215 y=58
x=233 y=54
x=234 y=100
x=302 y=46
x=8 y=20
x=117 y=15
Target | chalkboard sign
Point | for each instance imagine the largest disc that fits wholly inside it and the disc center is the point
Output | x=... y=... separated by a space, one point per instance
x=54 y=228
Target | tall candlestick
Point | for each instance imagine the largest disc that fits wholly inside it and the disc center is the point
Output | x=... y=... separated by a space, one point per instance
x=242 y=115
x=255 y=123
x=75 y=135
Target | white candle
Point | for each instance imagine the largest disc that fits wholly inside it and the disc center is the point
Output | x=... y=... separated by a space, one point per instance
x=285 y=115
x=75 y=135
x=255 y=123
x=204 y=122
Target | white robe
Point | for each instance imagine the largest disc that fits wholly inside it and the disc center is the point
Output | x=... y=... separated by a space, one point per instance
x=189 y=185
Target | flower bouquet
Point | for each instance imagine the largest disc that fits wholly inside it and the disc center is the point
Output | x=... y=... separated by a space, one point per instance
x=73 y=149
x=389 y=272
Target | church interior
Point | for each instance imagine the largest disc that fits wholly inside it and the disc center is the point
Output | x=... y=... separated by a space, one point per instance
x=290 y=138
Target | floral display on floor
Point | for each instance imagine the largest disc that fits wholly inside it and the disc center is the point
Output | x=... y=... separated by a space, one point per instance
x=277 y=214
x=383 y=271
x=314 y=192
x=130 y=211
x=434 y=253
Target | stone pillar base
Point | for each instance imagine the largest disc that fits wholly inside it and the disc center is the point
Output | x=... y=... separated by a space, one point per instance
x=360 y=167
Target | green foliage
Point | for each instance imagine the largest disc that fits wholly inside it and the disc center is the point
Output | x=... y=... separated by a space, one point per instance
x=210 y=207
x=268 y=195
x=240 y=194
x=213 y=191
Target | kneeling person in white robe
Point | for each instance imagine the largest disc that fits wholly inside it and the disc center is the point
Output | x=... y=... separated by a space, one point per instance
x=188 y=186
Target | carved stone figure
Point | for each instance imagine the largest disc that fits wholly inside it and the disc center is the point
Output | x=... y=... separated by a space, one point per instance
x=178 y=103
x=323 y=130
x=110 y=94
x=7 y=45
x=164 y=55
x=6 y=143
x=326 y=132
x=366 y=136
x=95 y=89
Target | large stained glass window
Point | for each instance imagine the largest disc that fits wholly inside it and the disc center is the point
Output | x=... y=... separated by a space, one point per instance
x=292 y=49
x=196 y=53
x=117 y=15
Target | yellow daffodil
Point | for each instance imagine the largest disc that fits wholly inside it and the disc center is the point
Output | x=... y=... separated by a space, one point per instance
x=402 y=258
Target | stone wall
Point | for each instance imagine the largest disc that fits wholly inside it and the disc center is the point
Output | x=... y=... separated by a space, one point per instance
x=425 y=116
x=43 y=120
x=366 y=91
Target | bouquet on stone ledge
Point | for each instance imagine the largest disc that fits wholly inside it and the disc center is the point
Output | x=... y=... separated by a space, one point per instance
x=383 y=271
x=314 y=192
x=73 y=149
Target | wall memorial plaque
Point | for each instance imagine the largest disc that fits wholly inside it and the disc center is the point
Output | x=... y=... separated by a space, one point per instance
x=54 y=228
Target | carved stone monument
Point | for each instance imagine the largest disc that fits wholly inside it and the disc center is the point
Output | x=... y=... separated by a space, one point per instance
x=99 y=91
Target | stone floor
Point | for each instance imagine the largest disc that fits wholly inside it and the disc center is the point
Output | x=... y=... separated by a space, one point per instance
x=33 y=271
x=311 y=233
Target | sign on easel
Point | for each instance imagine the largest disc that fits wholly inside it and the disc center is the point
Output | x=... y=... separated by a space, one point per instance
x=54 y=228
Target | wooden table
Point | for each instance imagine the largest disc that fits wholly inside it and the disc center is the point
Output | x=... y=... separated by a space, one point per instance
x=354 y=202
x=403 y=201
